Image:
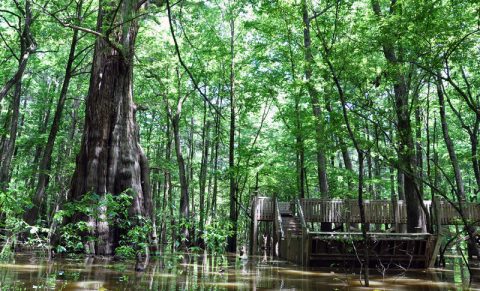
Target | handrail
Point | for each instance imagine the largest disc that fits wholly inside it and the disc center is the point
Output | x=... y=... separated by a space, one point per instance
x=371 y=234
x=376 y=211
x=301 y=216
x=278 y=221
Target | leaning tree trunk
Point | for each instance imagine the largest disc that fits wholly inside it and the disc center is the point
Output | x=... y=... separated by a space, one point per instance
x=460 y=186
x=111 y=159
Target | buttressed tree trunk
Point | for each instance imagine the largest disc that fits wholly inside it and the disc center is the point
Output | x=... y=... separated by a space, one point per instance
x=111 y=159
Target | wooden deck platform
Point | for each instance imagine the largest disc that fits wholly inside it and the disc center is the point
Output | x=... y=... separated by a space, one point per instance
x=296 y=237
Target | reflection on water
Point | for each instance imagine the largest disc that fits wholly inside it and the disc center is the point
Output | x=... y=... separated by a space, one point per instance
x=201 y=272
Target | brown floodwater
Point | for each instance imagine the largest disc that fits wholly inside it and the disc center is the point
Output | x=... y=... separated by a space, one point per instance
x=202 y=272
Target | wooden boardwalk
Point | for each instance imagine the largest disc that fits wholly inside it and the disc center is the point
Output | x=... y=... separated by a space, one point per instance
x=295 y=230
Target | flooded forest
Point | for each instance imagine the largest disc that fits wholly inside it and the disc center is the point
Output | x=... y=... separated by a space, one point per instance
x=239 y=145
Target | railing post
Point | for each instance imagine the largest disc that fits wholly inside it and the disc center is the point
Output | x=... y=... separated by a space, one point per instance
x=274 y=226
x=396 y=214
x=305 y=236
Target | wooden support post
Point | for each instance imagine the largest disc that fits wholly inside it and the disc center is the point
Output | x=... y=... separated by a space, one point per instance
x=254 y=228
x=274 y=227
x=439 y=233
x=307 y=250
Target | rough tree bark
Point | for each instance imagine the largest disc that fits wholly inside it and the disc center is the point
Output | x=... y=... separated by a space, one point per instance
x=111 y=159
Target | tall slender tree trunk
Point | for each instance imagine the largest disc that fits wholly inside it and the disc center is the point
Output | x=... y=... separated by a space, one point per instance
x=369 y=165
x=347 y=161
x=361 y=157
x=300 y=163
x=191 y=153
x=42 y=129
x=407 y=160
x=474 y=152
x=43 y=177
x=460 y=187
x=299 y=139
x=9 y=146
x=182 y=172
x=216 y=150
x=449 y=144
x=232 y=239
x=167 y=183
x=317 y=113
x=27 y=47
x=111 y=159
x=184 y=196
x=74 y=125
x=418 y=146
x=203 y=168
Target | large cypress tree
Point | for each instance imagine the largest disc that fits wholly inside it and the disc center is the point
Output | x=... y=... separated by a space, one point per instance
x=111 y=159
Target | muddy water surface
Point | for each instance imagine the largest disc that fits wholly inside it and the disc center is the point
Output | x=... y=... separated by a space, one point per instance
x=201 y=272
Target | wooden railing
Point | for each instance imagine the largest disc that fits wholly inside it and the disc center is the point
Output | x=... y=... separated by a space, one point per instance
x=301 y=215
x=340 y=211
x=450 y=215
x=380 y=211
x=347 y=211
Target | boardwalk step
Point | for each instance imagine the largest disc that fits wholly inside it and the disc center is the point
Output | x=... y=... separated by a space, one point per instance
x=292 y=224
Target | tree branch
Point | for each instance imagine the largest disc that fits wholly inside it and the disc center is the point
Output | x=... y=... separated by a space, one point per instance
x=195 y=84
x=8 y=46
